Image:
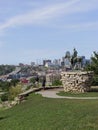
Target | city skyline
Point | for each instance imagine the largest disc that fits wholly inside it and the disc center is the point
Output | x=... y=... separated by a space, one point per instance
x=31 y=30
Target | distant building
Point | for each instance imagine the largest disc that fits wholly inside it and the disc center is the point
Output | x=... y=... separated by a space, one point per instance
x=67 y=63
x=46 y=62
x=32 y=63
x=63 y=59
x=83 y=61
x=21 y=64
x=62 y=64
x=57 y=62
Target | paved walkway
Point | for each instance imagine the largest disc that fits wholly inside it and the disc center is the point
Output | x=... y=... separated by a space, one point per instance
x=51 y=93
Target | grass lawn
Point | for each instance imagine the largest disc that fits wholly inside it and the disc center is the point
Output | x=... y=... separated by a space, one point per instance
x=87 y=94
x=38 y=113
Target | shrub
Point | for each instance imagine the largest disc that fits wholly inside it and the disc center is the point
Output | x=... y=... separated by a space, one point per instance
x=56 y=83
x=32 y=80
x=95 y=80
x=14 y=82
x=14 y=91
x=4 y=97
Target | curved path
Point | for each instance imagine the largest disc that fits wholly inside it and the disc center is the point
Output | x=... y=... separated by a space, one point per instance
x=52 y=94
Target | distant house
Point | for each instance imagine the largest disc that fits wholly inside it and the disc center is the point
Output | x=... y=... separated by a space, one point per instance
x=24 y=80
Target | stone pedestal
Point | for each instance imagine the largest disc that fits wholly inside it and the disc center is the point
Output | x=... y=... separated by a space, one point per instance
x=78 y=82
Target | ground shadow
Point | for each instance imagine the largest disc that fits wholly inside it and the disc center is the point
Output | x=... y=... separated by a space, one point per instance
x=94 y=90
x=2 y=118
x=56 y=87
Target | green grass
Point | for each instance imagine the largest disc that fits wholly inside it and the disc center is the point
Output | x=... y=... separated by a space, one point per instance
x=38 y=113
x=86 y=94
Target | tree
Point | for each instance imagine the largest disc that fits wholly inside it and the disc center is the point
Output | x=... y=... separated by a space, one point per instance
x=74 y=57
x=93 y=66
x=75 y=53
x=94 y=63
x=5 y=69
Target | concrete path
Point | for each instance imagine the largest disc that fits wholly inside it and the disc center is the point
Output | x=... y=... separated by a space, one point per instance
x=51 y=93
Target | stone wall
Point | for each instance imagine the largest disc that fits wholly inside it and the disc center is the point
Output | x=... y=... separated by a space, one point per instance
x=52 y=77
x=76 y=81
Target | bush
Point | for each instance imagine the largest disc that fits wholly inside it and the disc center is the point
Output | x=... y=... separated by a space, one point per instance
x=56 y=83
x=14 y=91
x=95 y=80
x=14 y=82
x=4 y=86
x=32 y=80
x=4 y=97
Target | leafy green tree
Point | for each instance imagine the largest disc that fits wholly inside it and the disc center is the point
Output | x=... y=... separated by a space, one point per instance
x=4 y=85
x=94 y=63
x=74 y=57
x=5 y=69
x=94 y=67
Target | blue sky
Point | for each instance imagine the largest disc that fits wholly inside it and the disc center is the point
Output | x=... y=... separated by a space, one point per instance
x=45 y=29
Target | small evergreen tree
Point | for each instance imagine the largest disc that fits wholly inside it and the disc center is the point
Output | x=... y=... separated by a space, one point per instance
x=94 y=67
x=74 y=57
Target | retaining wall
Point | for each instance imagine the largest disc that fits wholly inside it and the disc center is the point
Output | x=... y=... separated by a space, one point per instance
x=76 y=81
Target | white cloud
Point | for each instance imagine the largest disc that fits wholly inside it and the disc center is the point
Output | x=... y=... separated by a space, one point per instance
x=44 y=14
x=37 y=16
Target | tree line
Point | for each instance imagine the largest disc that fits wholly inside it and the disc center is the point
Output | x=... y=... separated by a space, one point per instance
x=5 y=69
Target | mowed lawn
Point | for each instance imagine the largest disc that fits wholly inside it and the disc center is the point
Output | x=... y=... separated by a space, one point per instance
x=38 y=113
x=86 y=94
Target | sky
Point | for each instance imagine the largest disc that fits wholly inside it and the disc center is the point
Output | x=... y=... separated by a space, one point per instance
x=33 y=30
